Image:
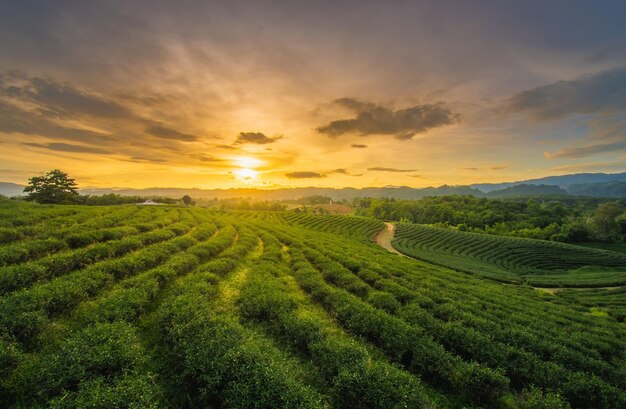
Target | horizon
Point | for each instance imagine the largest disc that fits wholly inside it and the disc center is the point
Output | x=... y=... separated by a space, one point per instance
x=271 y=95
x=476 y=186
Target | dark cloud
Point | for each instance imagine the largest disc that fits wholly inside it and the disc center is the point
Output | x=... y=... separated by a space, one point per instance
x=225 y=147
x=258 y=138
x=168 y=133
x=487 y=168
x=584 y=151
x=66 y=147
x=358 y=146
x=382 y=169
x=601 y=92
x=17 y=120
x=207 y=158
x=314 y=175
x=374 y=119
x=145 y=159
x=59 y=99
x=305 y=175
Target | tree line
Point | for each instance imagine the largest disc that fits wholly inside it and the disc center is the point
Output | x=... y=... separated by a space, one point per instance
x=569 y=220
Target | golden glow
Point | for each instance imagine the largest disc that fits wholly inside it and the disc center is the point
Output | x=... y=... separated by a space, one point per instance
x=246 y=175
x=247 y=162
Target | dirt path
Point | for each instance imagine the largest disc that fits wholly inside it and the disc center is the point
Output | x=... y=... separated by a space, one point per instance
x=555 y=290
x=383 y=239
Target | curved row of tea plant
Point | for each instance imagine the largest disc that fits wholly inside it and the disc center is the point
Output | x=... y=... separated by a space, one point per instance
x=510 y=259
x=555 y=364
x=346 y=225
x=277 y=309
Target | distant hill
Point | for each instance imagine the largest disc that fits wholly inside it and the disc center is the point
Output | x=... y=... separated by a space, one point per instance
x=608 y=189
x=402 y=192
x=11 y=189
x=527 y=190
x=581 y=184
x=560 y=181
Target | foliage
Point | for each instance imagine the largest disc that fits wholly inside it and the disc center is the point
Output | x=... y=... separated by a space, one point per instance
x=558 y=219
x=511 y=259
x=115 y=199
x=133 y=306
x=53 y=187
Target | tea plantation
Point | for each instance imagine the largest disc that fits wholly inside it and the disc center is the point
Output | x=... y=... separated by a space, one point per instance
x=512 y=259
x=171 y=307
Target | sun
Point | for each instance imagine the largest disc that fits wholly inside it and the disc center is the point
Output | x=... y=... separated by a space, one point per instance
x=247 y=162
x=246 y=169
x=246 y=175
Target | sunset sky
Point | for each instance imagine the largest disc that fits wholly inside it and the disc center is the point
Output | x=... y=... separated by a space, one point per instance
x=311 y=93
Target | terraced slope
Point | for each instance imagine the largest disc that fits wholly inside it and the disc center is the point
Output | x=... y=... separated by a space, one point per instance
x=510 y=259
x=601 y=301
x=265 y=310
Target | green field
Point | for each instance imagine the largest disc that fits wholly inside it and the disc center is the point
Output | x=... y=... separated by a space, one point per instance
x=618 y=247
x=160 y=307
x=511 y=259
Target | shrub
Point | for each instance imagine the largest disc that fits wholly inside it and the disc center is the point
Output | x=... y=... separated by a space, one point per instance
x=384 y=301
x=378 y=386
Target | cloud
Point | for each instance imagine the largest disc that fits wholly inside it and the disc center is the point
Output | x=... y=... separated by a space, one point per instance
x=486 y=168
x=317 y=175
x=601 y=92
x=584 y=151
x=168 y=133
x=59 y=99
x=207 y=158
x=66 y=147
x=305 y=175
x=258 y=138
x=358 y=146
x=592 y=166
x=16 y=120
x=145 y=159
x=382 y=169
x=372 y=119
x=343 y=172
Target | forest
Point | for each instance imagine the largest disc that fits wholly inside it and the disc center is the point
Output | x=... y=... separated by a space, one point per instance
x=572 y=220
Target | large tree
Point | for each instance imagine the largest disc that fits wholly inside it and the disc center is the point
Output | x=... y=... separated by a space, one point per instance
x=53 y=187
x=604 y=223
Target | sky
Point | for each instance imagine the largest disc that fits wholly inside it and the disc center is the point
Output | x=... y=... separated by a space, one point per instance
x=267 y=94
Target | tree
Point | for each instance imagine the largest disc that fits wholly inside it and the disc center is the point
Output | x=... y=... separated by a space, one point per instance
x=187 y=200
x=54 y=187
x=605 y=226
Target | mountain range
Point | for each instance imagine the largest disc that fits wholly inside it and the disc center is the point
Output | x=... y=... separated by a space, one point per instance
x=581 y=184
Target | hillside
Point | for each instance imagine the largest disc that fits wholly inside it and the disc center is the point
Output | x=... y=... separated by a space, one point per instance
x=511 y=259
x=132 y=306
x=295 y=193
x=526 y=191
x=560 y=181
x=608 y=189
x=11 y=189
